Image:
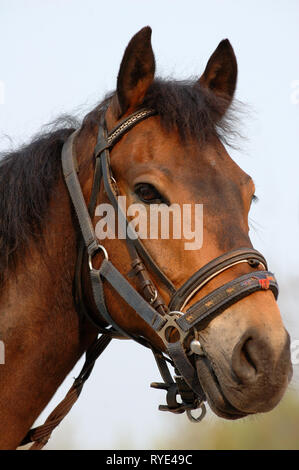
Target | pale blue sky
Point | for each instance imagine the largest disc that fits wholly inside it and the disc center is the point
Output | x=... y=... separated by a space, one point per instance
x=62 y=56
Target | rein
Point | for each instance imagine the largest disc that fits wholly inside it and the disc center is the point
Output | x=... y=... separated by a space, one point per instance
x=150 y=306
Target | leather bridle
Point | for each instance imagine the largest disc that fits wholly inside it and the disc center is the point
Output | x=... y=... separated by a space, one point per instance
x=163 y=318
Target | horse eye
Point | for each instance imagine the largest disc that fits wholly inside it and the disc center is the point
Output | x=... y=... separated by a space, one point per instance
x=148 y=193
x=254 y=198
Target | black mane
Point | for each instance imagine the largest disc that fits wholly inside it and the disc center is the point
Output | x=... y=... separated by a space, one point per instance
x=28 y=175
x=195 y=112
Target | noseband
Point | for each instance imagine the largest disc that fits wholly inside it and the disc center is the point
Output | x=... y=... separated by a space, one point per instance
x=165 y=319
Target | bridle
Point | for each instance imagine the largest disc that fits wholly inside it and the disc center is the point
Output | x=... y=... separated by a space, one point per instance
x=149 y=304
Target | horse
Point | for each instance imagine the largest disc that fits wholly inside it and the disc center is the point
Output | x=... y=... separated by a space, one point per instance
x=210 y=312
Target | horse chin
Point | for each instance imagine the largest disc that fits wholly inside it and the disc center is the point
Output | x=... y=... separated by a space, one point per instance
x=215 y=397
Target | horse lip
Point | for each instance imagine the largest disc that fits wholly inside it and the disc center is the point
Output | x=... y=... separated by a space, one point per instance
x=215 y=396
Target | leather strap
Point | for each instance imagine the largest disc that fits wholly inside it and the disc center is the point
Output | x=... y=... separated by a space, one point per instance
x=70 y=168
x=131 y=235
x=130 y=295
x=122 y=128
x=212 y=269
x=186 y=369
x=227 y=295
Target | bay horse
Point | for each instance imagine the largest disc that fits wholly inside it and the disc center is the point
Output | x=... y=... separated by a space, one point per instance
x=153 y=141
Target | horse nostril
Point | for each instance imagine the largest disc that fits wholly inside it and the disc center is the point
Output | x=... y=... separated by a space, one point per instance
x=245 y=360
x=247 y=354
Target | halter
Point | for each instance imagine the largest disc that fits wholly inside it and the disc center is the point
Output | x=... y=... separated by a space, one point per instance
x=149 y=305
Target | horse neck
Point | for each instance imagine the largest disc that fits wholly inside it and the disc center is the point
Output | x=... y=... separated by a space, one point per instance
x=38 y=323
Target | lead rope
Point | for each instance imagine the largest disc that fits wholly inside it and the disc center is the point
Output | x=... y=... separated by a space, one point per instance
x=41 y=434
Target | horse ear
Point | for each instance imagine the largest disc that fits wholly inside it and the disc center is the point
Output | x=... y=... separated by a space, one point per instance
x=220 y=75
x=136 y=71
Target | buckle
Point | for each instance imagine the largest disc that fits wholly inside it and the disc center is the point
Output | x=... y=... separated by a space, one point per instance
x=94 y=252
x=170 y=326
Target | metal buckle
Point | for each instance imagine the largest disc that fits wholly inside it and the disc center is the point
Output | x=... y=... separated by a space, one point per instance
x=154 y=298
x=91 y=255
x=171 y=318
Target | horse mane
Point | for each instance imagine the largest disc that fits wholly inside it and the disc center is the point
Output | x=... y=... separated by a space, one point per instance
x=28 y=175
x=195 y=112
x=27 y=178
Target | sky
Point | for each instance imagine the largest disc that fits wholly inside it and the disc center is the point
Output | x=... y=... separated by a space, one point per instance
x=63 y=56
